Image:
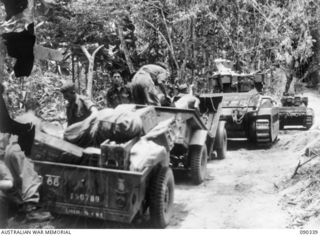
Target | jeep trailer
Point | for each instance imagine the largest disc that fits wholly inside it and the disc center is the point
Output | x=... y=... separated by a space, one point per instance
x=81 y=182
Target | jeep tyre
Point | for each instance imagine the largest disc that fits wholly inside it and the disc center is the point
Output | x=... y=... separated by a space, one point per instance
x=198 y=161
x=222 y=148
x=161 y=197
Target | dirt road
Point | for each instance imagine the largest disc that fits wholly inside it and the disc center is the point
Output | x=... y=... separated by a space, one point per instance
x=243 y=191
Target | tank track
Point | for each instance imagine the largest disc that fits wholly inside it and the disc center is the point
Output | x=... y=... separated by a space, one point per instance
x=263 y=132
x=308 y=121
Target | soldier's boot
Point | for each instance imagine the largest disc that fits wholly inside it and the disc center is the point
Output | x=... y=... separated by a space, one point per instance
x=33 y=213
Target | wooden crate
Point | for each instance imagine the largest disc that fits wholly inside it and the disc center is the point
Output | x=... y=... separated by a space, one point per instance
x=148 y=116
x=91 y=156
x=116 y=155
x=164 y=134
x=50 y=148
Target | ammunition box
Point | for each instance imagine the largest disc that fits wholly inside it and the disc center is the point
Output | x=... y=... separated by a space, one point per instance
x=116 y=156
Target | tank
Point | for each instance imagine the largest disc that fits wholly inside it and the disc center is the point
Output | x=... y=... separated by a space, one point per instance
x=294 y=111
x=246 y=112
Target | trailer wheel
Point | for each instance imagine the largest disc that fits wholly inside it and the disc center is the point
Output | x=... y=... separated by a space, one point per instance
x=222 y=148
x=198 y=159
x=161 y=197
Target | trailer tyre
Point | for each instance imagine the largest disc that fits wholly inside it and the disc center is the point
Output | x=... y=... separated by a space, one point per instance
x=198 y=159
x=222 y=148
x=161 y=197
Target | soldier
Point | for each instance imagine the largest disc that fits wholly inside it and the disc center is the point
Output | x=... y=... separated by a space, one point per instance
x=19 y=183
x=119 y=93
x=6 y=183
x=79 y=107
x=15 y=168
x=148 y=85
x=7 y=125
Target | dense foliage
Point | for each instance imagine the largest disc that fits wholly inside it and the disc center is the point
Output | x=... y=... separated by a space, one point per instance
x=258 y=35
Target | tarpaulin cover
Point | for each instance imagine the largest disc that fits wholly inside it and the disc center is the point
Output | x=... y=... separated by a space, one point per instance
x=118 y=125
x=79 y=133
x=147 y=153
x=188 y=101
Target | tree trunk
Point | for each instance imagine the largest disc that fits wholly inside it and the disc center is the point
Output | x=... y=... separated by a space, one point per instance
x=82 y=79
x=79 y=76
x=90 y=77
x=2 y=60
x=194 y=38
x=170 y=43
x=186 y=51
x=90 y=68
x=125 y=49
x=73 y=74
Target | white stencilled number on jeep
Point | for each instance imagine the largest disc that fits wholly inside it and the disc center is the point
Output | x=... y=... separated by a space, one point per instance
x=53 y=180
x=85 y=197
